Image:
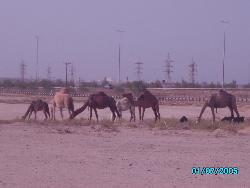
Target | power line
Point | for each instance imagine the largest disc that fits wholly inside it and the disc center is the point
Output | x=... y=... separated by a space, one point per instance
x=66 y=73
x=49 y=73
x=23 y=70
x=37 y=65
x=193 y=71
x=119 y=54
x=72 y=74
x=168 y=69
x=138 y=70
x=224 y=53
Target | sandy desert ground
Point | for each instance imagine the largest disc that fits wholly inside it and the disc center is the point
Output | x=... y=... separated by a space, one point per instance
x=74 y=154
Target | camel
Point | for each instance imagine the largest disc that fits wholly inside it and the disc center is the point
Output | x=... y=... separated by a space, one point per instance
x=125 y=104
x=62 y=100
x=98 y=101
x=36 y=106
x=145 y=100
x=222 y=99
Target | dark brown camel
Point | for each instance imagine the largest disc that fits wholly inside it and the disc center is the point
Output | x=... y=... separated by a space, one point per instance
x=222 y=99
x=98 y=101
x=36 y=106
x=146 y=100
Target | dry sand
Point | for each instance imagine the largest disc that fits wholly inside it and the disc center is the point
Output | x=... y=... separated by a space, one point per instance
x=65 y=155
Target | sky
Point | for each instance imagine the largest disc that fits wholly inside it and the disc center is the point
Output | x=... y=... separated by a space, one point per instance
x=84 y=32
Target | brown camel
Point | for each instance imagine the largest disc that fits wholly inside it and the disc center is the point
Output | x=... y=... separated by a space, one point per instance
x=146 y=100
x=98 y=101
x=222 y=99
x=36 y=106
x=61 y=100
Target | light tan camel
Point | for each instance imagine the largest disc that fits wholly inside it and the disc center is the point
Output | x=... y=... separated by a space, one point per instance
x=222 y=99
x=61 y=100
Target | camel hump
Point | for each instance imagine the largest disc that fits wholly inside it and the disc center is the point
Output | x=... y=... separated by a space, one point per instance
x=222 y=91
x=147 y=92
x=64 y=90
x=102 y=93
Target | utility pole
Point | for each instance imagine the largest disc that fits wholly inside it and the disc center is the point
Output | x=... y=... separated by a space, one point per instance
x=37 y=50
x=168 y=70
x=49 y=73
x=224 y=54
x=23 y=70
x=138 y=70
x=119 y=54
x=66 y=73
x=72 y=75
x=193 y=71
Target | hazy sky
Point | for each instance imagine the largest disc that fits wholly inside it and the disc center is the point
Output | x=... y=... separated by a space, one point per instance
x=84 y=32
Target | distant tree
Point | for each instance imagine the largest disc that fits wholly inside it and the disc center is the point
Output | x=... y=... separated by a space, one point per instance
x=156 y=84
x=246 y=85
x=7 y=83
x=46 y=84
x=137 y=86
x=59 y=83
x=119 y=89
x=232 y=84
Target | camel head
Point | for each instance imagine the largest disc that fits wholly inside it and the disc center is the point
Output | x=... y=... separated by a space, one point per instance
x=72 y=115
x=129 y=96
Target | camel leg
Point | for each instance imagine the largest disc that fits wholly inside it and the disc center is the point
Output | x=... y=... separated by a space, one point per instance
x=120 y=112
x=113 y=113
x=202 y=111
x=61 y=113
x=45 y=114
x=143 y=111
x=154 y=110
x=69 y=112
x=140 y=113
x=48 y=113
x=30 y=114
x=212 y=109
x=115 y=110
x=236 y=111
x=158 y=111
x=232 y=112
x=96 y=115
x=35 y=114
x=54 y=112
x=90 y=113
x=133 y=111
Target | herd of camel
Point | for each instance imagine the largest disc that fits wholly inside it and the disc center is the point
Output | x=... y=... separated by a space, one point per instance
x=100 y=100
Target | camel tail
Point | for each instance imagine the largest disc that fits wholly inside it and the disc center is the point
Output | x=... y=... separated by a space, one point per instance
x=27 y=112
x=79 y=110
